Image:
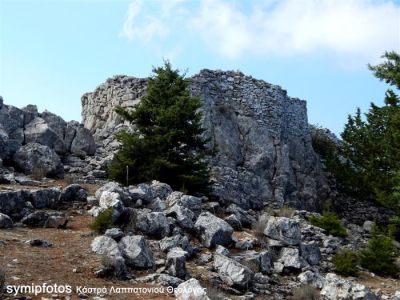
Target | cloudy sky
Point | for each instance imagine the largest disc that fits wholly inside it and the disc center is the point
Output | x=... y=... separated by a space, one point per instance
x=51 y=52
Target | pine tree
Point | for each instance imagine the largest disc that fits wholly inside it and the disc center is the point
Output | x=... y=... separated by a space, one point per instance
x=371 y=145
x=167 y=144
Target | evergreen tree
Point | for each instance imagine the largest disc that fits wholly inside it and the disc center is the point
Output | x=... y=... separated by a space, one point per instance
x=371 y=145
x=168 y=143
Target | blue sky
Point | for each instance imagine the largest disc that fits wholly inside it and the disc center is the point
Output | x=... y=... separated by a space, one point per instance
x=51 y=52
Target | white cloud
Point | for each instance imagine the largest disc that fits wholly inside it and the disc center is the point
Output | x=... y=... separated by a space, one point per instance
x=356 y=29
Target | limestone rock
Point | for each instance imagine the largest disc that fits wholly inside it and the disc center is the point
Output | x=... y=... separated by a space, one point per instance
x=336 y=288
x=153 y=224
x=136 y=252
x=39 y=159
x=213 y=230
x=191 y=290
x=176 y=263
x=232 y=272
x=83 y=143
x=283 y=229
x=5 y=221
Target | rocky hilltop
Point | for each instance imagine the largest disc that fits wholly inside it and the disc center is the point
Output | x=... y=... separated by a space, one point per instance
x=265 y=154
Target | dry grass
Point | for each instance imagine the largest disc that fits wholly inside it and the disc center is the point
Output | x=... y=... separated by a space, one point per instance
x=2 y=283
x=305 y=292
x=284 y=211
x=71 y=250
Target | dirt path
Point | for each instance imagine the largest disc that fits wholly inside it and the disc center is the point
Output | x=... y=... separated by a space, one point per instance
x=68 y=262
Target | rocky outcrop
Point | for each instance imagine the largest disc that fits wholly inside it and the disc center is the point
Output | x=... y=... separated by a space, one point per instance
x=36 y=142
x=265 y=153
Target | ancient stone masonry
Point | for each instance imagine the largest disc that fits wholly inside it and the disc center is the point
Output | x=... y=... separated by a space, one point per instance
x=265 y=155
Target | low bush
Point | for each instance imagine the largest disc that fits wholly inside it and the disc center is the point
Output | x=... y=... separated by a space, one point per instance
x=330 y=223
x=103 y=221
x=380 y=255
x=305 y=292
x=346 y=262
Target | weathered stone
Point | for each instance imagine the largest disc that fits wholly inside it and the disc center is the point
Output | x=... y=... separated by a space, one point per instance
x=111 y=200
x=180 y=199
x=36 y=219
x=13 y=202
x=213 y=230
x=115 y=233
x=245 y=218
x=232 y=272
x=108 y=248
x=39 y=160
x=136 y=252
x=310 y=252
x=191 y=290
x=336 y=288
x=180 y=241
x=168 y=280
x=83 y=143
x=289 y=261
x=183 y=215
x=312 y=278
x=161 y=190
x=234 y=222
x=255 y=261
x=283 y=229
x=176 y=263
x=153 y=224
x=38 y=131
x=5 y=221
x=46 y=198
x=262 y=135
x=73 y=192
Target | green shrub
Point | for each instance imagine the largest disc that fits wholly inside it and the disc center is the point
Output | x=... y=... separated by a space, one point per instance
x=380 y=255
x=103 y=221
x=345 y=262
x=330 y=223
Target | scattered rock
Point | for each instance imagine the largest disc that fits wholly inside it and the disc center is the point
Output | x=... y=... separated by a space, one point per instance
x=136 y=252
x=213 y=230
x=5 y=221
x=231 y=271
x=176 y=263
x=191 y=290
x=283 y=229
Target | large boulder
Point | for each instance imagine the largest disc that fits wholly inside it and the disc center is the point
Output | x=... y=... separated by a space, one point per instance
x=4 y=150
x=190 y=202
x=83 y=143
x=178 y=240
x=55 y=123
x=14 y=203
x=213 y=230
x=46 y=198
x=289 y=261
x=283 y=229
x=191 y=290
x=74 y=192
x=232 y=272
x=255 y=261
x=12 y=124
x=39 y=160
x=153 y=224
x=310 y=252
x=108 y=248
x=176 y=263
x=5 y=221
x=136 y=252
x=39 y=131
x=183 y=215
x=337 y=288
x=36 y=219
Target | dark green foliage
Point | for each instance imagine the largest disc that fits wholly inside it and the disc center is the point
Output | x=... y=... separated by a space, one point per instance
x=366 y=163
x=380 y=255
x=103 y=221
x=388 y=71
x=346 y=262
x=167 y=144
x=330 y=223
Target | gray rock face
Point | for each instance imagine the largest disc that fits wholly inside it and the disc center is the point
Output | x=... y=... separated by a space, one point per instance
x=46 y=198
x=310 y=252
x=289 y=260
x=5 y=221
x=213 y=230
x=336 y=288
x=36 y=219
x=190 y=202
x=191 y=290
x=180 y=241
x=283 y=229
x=265 y=150
x=136 y=252
x=154 y=224
x=183 y=215
x=255 y=261
x=176 y=263
x=36 y=158
x=83 y=143
x=73 y=192
x=13 y=202
x=232 y=272
x=38 y=131
x=108 y=248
